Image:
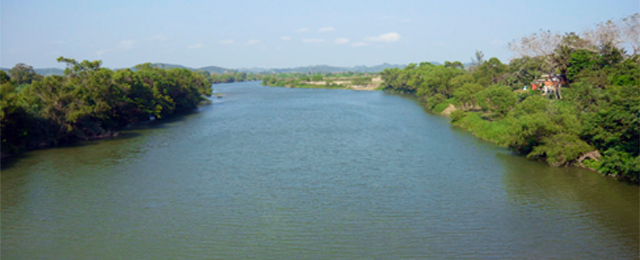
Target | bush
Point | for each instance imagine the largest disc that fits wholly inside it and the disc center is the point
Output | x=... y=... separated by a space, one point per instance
x=593 y=164
x=440 y=107
x=435 y=100
x=361 y=81
x=560 y=149
x=497 y=98
x=620 y=164
x=457 y=115
x=317 y=77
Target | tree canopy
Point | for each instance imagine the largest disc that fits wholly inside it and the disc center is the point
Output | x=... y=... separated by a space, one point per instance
x=89 y=101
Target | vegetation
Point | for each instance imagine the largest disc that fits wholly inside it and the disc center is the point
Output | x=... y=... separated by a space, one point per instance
x=89 y=101
x=230 y=77
x=343 y=80
x=598 y=109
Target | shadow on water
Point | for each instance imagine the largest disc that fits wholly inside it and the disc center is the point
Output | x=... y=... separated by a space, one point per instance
x=9 y=161
x=611 y=202
x=126 y=133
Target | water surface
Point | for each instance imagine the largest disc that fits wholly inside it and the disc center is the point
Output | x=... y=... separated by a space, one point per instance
x=275 y=173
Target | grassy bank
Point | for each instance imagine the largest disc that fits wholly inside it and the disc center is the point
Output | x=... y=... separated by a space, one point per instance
x=592 y=123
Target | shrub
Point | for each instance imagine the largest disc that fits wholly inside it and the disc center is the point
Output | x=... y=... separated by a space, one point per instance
x=497 y=98
x=620 y=164
x=560 y=149
x=457 y=115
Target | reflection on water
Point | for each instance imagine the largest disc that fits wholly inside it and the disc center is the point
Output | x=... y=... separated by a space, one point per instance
x=274 y=173
x=579 y=196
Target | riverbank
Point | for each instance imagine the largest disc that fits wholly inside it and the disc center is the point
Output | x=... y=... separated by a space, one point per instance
x=90 y=102
x=358 y=82
x=279 y=173
x=498 y=132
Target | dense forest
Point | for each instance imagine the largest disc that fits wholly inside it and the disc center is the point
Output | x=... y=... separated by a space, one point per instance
x=588 y=115
x=89 y=102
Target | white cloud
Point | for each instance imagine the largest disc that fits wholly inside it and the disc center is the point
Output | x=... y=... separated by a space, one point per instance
x=196 y=46
x=125 y=44
x=303 y=30
x=253 y=41
x=285 y=38
x=387 y=37
x=341 y=41
x=159 y=37
x=312 y=40
x=122 y=45
x=497 y=42
x=359 y=44
x=225 y=42
x=326 y=29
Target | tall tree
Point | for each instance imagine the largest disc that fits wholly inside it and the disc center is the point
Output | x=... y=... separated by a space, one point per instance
x=23 y=74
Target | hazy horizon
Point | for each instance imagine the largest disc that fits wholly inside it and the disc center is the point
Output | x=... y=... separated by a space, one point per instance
x=282 y=34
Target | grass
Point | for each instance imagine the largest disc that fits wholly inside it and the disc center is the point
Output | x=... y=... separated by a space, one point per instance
x=493 y=131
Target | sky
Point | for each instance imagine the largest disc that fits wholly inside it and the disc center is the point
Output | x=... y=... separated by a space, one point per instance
x=283 y=34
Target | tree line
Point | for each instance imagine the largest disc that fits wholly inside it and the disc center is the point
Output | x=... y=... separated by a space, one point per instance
x=229 y=77
x=89 y=101
x=593 y=124
x=304 y=80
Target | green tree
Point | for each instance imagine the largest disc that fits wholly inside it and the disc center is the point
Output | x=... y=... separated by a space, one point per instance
x=497 y=98
x=317 y=77
x=620 y=164
x=23 y=74
x=4 y=77
x=467 y=94
x=491 y=72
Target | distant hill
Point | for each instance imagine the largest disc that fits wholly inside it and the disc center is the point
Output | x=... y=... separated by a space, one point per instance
x=215 y=69
x=210 y=69
x=49 y=71
x=44 y=72
x=324 y=69
x=377 y=68
x=305 y=69
x=165 y=66
x=221 y=70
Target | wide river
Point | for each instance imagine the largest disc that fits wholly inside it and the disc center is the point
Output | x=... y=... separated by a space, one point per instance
x=277 y=173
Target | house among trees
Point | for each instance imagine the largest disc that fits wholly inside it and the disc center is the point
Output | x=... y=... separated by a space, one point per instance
x=549 y=84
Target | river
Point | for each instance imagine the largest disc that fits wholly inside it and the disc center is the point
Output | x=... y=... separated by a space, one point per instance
x=277 y=173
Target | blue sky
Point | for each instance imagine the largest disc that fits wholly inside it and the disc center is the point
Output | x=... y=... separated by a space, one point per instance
x=278 y=34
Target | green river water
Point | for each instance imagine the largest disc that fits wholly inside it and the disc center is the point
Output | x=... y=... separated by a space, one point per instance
x=276 y=173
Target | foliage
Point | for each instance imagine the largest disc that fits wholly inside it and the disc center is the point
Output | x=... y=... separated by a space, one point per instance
x=341 y=80
x=600 y=111
x=23 y=74
x=467 y=94
x=436 y=100
x=317 y=77
x=361 y=81
x=457 y=115
x=620 y=164
x=497 y=98
x=616 y=124
x=560 y=149
x=90 y=102
x=229 y=77
x=494 y=131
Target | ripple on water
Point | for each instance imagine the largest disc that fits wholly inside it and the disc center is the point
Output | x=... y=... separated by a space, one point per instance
x=274 y=173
